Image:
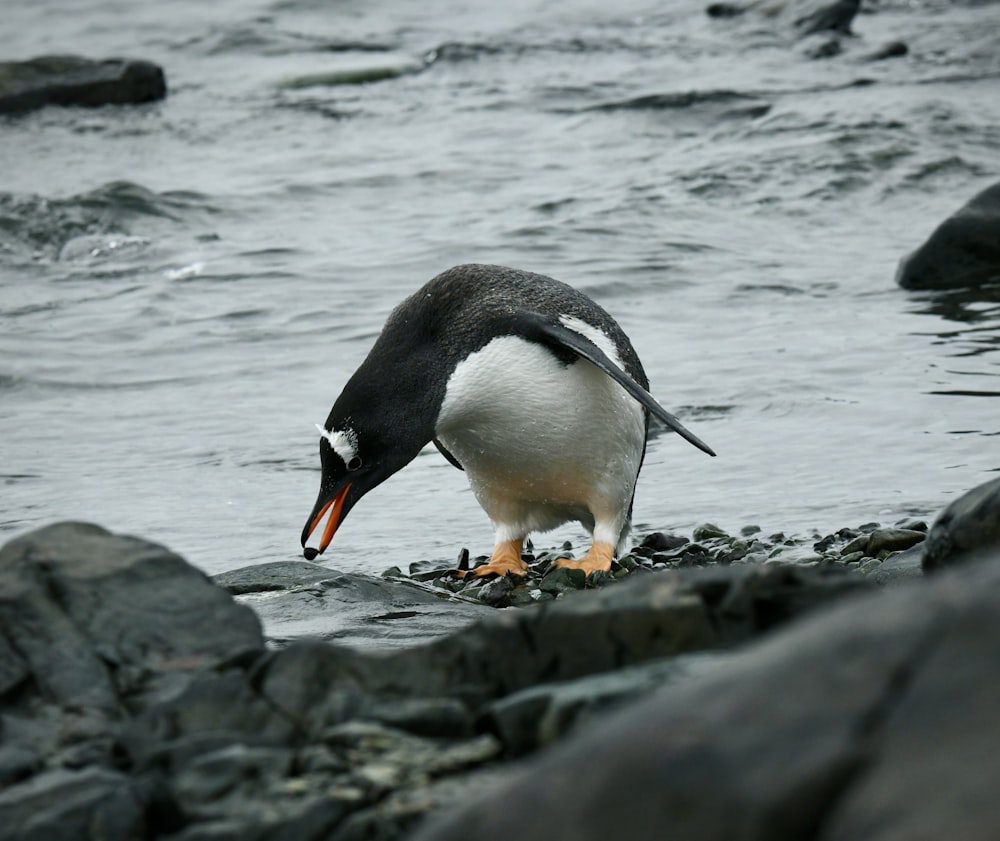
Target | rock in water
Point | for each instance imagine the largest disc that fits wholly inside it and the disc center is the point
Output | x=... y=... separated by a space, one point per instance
x=72 y=80
x=966 y=530
x=963 y=252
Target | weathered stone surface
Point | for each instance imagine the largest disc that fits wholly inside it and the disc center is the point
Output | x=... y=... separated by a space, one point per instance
x=872 y=720
x=136 y=694
x=296 y=599
x=962 y=252
x=966 y=529
x=72 y=80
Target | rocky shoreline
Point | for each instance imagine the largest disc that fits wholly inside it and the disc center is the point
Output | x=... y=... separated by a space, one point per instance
x=140 y=699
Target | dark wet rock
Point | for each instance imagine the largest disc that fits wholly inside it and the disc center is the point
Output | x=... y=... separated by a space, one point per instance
x=139 y=699
x=812 y=16
x=69 y=805
x=540 y=715
x=297 y=599
x=280 y=575
x=894 y=736
x=805 y=17
x=660 y=541
x=893 y=49
x=903 y=566
x=560 y=579
x=892 y=540
x=497 y=593
x=72 y=80
x=707 y=531
x=964 y=250
x=966 y=530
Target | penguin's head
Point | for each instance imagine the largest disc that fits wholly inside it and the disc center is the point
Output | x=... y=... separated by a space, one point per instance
x=347 y=476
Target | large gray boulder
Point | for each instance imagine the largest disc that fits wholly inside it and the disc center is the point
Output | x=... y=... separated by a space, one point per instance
x=966 y=530
x=138 y=698
x=874 y=720
x=963 y=251
x=73 y=80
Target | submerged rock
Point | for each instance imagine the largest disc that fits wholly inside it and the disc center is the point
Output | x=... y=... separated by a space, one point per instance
x=73 y=80
x=964 y=250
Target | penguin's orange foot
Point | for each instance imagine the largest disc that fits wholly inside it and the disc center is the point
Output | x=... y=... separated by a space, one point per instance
x=506 y=559
x=598 y=558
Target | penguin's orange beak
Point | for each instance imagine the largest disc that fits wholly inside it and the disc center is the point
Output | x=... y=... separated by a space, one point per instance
x=335 y=507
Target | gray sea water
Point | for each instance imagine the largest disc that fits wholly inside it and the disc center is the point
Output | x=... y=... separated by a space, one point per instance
x=185 y=286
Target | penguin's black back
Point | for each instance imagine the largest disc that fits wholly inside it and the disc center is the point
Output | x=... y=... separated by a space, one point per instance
x=454 y=315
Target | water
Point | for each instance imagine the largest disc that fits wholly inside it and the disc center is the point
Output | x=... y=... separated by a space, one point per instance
x=185 y=286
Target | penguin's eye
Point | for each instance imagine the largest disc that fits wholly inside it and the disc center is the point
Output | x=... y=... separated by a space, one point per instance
x=354 y=463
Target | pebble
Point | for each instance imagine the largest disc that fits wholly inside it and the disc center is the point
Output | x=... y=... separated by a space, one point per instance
x=862 y=548
x=309 y=553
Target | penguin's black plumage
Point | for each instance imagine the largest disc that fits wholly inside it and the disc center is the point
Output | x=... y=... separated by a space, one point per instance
x=520 y=380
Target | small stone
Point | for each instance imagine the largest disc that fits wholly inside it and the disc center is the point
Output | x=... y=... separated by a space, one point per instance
x=859 y=544
x=309 y=553
x=660 y=541
x=561 y=579
x=746 y=531
x=893 y=540
x=707 y=531
x=599 y=578
x=912 y=524
x=496 y=593
x=869 y=565
x=851 y=558
x=393 y=572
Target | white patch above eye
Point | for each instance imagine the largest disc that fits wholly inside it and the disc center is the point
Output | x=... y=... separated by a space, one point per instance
x=344 y=442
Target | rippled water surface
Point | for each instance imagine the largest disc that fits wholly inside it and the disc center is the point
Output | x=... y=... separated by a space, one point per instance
x=185 y=286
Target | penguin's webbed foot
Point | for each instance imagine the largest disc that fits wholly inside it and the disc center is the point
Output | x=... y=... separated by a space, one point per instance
x=597 y=559
x=505 y=560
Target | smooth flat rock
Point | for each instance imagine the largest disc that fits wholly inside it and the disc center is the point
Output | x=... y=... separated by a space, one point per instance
x=963 y=251
x=876 y=719
x=297 y=599
x=74 y=80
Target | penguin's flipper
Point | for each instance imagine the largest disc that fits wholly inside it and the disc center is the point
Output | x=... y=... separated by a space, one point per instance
x=451 y=459
x=549 y=332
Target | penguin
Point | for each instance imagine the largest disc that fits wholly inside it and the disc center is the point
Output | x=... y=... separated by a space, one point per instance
x=520 y=380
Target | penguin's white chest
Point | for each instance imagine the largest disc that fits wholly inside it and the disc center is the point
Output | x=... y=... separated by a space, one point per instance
x=543 y=442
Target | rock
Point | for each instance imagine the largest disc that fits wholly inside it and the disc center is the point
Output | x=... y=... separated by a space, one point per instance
x=892 y=734
x=964 y=250
x=659 y=541
x=904 y=566
x=967 y=529
x=892 y=540
x=806 y=17
x=86 y=614
x=893 y=49
x=560 y=579
x=296 y=599
x=540 y=715
x=72 y=80
x=280 y=575
x=707 y=531
x=65 y=805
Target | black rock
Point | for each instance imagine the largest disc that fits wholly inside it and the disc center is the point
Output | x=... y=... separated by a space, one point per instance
x=964 y=250
x=966 y=530
x=660 y=541
x=892 y=733
x=72 y=80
